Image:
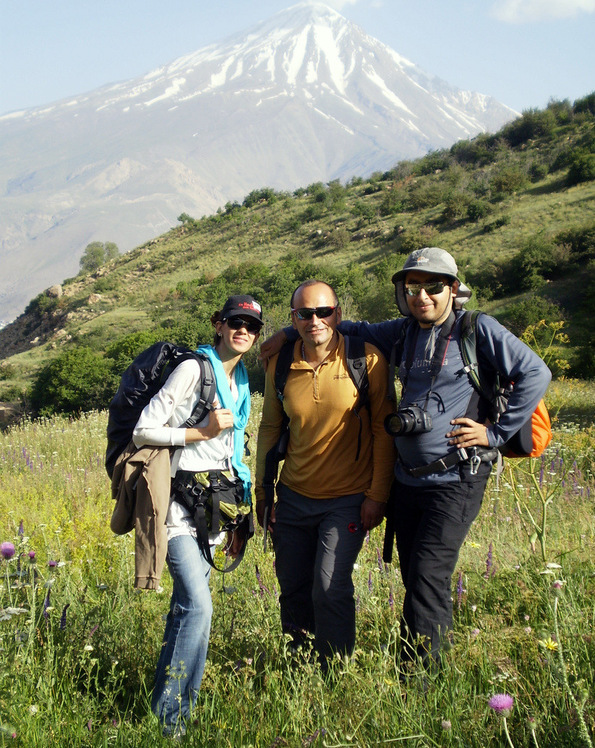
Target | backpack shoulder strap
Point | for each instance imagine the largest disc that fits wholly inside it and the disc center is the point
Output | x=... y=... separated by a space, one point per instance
x=488 y=383
x=208 y=390
x=355 y=353
x=396 y=354
x=469 y=350
x=284 y=361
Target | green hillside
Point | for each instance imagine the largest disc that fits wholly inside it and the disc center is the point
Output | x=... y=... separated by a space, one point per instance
x=516 y=209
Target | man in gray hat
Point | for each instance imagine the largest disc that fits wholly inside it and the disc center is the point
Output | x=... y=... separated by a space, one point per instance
x=445 y=443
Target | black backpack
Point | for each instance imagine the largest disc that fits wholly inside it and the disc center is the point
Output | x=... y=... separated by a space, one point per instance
x=355 y=354
x=144 y=378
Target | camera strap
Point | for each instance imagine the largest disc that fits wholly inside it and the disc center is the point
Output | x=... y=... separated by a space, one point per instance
x=439 y=353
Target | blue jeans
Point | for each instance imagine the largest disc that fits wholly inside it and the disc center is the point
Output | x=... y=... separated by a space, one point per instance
x=186 y=638
x=317 y=542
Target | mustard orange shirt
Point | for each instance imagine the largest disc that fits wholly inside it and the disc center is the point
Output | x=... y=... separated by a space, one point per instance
x=321 y=455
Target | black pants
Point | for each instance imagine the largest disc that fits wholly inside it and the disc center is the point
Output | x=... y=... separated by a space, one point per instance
x=431 y=524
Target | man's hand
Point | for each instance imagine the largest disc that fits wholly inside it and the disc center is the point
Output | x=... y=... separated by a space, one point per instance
x=271 y=346
x=372 y=513
x=260 y=506
x=468 y=433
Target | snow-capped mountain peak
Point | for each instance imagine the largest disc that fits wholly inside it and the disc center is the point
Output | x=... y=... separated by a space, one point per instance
x=303 y=96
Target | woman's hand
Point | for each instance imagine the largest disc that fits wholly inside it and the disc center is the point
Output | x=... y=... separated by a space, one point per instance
x=219 y=420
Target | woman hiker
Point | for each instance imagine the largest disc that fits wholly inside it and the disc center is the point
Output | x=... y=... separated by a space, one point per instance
x=217 y=443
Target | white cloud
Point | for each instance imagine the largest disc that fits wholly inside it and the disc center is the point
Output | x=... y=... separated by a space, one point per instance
x=526 y=11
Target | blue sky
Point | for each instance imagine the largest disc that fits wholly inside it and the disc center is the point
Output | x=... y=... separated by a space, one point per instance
x=522 y=52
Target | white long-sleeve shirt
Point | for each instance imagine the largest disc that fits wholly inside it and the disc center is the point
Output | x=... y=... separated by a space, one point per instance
x=160 y=425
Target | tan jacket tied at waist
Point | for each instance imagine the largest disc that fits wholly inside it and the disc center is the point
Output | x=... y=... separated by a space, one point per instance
x=141 y=487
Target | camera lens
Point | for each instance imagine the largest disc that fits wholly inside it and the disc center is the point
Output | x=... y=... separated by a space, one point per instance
x=398 y=423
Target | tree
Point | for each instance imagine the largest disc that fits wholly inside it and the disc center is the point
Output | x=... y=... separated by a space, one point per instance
x=97 y=254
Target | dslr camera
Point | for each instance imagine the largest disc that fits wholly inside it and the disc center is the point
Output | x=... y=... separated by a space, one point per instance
x=406 y=421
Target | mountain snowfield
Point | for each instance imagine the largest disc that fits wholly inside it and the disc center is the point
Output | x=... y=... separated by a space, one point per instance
x=304 y=96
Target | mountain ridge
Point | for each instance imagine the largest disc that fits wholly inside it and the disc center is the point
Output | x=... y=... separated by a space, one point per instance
x=304 y=96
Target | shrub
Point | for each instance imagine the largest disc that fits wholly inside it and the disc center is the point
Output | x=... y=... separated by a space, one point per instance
x=534 y=262
x=123 y=351
x=78 y=380
x=478 y=209
x=531 y=311
x=581 y=242
x=508 y=179
x=582 y=168
x=456 y=205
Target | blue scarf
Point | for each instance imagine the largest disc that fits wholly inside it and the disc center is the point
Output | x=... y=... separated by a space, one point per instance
x=240 y=409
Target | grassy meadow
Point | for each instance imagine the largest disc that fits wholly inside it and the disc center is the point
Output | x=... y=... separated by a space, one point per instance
x=78 y=644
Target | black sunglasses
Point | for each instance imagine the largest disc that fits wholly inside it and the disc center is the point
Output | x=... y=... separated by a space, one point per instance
x=432 y=288
x=322 y=312
x=236 y=323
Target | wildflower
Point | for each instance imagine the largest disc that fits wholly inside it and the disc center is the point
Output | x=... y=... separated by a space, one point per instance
x=33 y=709
x=460 y=590
x=474 y=633
x=489 y=562
x=52 y=564
x=7 y=550
x=501 y=703
x=527 y=629
x=549 y=644
x=88 y=648
x=446 y=724
x=21 y=529
x=63 y=617
x=370 y=585
x=32 y=555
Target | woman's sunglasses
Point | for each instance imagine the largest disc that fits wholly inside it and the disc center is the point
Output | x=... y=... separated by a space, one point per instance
x=236 y=323
x=322 y=312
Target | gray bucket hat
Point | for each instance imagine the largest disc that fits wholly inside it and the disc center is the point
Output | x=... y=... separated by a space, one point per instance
x=430 y=260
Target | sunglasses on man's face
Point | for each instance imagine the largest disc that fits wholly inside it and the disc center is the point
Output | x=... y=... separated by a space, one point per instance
x=236 y=323
x=322 y=312
x=432 y=288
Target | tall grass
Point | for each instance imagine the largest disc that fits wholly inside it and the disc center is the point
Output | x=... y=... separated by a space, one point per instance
x=78 y=644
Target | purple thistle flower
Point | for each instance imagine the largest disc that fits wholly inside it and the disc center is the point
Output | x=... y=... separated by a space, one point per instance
x=52 y=563
x=7 y=550
x=501 y=703
x=32 y=555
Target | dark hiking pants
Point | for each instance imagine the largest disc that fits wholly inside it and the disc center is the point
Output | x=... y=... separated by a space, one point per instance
x=431 y=523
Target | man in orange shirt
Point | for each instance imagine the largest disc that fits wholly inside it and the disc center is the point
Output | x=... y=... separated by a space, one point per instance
x=329 y=493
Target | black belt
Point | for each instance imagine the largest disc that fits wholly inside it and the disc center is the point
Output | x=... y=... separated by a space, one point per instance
x=475 y=455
